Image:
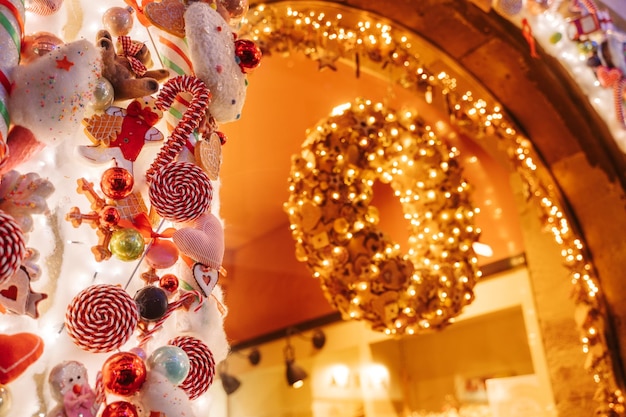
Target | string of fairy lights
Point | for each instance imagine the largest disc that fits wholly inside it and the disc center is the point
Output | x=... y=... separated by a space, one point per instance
x=329 y=33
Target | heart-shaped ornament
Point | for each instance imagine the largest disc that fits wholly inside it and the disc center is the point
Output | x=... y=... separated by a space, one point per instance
x=608 y=76
x=205 y=277
x=203 y=243
x=17 y=352
x=167 y=15
x=208 y=155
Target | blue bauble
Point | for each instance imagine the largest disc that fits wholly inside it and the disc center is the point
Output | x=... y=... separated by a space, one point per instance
x=170 y=361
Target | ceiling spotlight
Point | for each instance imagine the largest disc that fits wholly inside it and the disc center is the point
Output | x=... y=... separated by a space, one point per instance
x=230 y=383
x=295 y=374
x=254 y=357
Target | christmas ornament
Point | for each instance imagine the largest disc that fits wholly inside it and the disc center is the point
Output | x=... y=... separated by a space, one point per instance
x=123 y=374
x=22 y=196
x=12 y=246
x=70 y=388
x=248 y=55
x=120 y=409
x=117 y=183
x=43 y=7
x=59 y=85
x=103 y=95
x=212 y=51
x=118 y=20
x=362 y=272
x=170 y=361
x=127 y=244
x=235 y=9
x=38 y=44
x=17 y=352
x=169 y=282
x=180 y=192
x=202 y=365
x=101 y=318
x=17 y=296
x=167 y=15
x=189 y=122
x=162 y=254
x=208 y=154
x=5 y=401
x=116 y=68
x=120 y=134
x=159 y=395
x=151 y=302
x=204 y=243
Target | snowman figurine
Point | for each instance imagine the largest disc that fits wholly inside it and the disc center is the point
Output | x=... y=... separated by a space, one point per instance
x=70 y=388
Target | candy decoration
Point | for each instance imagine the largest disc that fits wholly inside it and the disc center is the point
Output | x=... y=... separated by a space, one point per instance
x=12 y=246
x=190 y=121
x=202 y=364
x=101 y=318
x=613 y=78
x=43 y=7
x=11 y=31
x=618 y=94
x=123 y=373
x=180 y=192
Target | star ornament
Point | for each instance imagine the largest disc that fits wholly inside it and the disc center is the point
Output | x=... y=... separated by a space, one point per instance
x=64 y=63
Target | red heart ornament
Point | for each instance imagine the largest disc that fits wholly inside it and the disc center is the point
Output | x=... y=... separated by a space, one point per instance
x=10 y=293
x=17 y=353
x=608 y=76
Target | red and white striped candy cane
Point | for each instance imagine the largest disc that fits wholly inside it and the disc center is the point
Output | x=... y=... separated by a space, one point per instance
x=618 y=100
x=11 y=33
x=189 y=122
x=148 y=333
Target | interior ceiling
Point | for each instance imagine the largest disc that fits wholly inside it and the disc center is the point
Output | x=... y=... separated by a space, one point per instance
x=266 y=288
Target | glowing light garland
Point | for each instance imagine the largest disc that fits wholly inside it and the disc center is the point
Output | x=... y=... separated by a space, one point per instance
x=327 y=34
x=363 y=273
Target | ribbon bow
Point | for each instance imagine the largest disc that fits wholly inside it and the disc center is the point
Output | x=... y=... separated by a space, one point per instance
x=129 y=50
x=135 y=108
x=141 y=222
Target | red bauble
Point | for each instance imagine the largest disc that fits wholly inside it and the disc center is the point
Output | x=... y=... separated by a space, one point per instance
x=123 y=373
x=248 y=53
x=117 y=183
x=120 y=409
x=109 y=216
x=169 y=282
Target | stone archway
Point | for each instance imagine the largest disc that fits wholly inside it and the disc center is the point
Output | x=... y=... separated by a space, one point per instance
x=572 y=140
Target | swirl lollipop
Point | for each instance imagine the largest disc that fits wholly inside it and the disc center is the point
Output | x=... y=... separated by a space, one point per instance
x=202 y=365
x=12 y=246
x=180 y=192
x=101 y=318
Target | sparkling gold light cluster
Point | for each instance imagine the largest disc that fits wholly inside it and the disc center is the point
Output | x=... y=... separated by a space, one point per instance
x=327 y=34
x=362 y=271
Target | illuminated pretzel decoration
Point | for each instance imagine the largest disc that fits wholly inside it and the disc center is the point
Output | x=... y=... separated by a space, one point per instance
x=362 y=272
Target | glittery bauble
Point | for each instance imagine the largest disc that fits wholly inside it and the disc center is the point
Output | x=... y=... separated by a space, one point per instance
x=127 y=244
x=236 y=8
x=152 y=302
x=120 y=409
x=5 y=401
x=103 y=94
x=123 y=374
x=162 y=254
x=248 y=54
x=118 y=20
x=171 y=362
x=169 y=282
x=109 y=216
x=38 y=44
x=117 y=183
